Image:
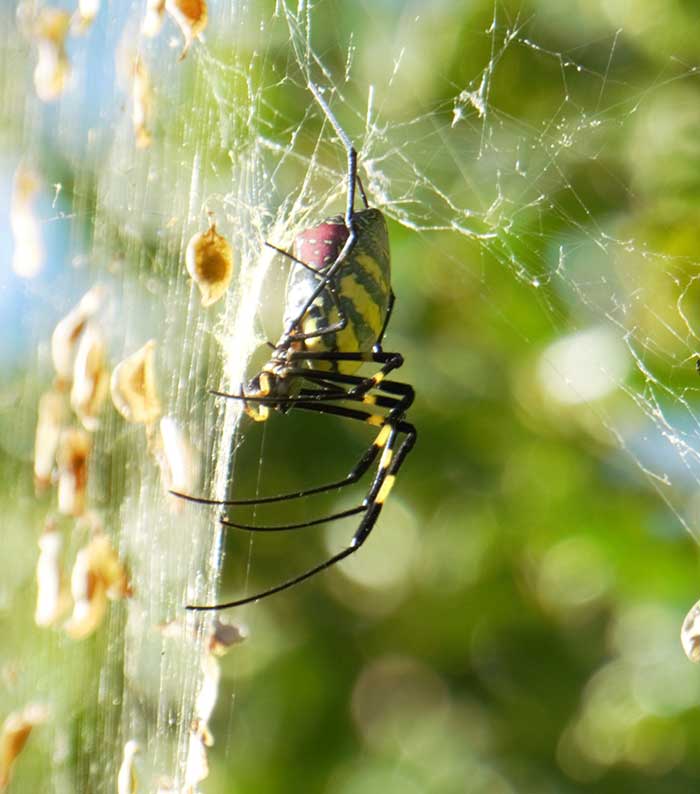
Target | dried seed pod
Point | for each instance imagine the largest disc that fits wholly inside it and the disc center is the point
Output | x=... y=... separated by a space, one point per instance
x=53 y=414
x=209 y=261
x=90 y=378
x=690 y=633
x=53 y=68
x=153 y=20
x=28 y=253
x=72 y=460
x=66 y=335
x=126 y=779
x=14 y=734
x=97 y=575
x=133 y=386
x=191 y=18
x=142 y=103
x=52 y=595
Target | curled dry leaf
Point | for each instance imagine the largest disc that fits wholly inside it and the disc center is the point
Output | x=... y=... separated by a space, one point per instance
x=52 y=595
x=53 y=68
x=209 y=261
x=191 y=18
x=53 y=414
x=133 y=386
x=142 y=102
x=28 y=254
x=126 y=779
x=153 y=19
x=97 y=575
x=90 y=378
x=66 y=335
x=72 y=460
x=14 y=734
x=690 y=633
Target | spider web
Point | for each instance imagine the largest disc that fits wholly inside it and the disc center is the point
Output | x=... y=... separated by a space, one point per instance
x=237 y=134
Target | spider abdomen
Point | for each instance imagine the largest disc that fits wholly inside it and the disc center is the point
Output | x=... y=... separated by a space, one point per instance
x=359 y=292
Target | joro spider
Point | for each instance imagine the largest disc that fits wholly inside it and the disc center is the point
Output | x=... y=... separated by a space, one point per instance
x=338 y=305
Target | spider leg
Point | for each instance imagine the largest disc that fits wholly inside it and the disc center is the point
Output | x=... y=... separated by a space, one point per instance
x=355 y=474
x=284 y=527
x=317 y=398
x=384 y=479
x=389 y=309
x=331 y=329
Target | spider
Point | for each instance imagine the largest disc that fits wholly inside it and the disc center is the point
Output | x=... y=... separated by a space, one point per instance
x=338 y=305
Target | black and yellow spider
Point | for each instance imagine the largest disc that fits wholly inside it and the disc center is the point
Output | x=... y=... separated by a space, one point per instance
x=338 y=304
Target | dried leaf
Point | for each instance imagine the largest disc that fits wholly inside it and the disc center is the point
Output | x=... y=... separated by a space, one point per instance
x=72 y=460
x=153 y=20
x=191 y=18
x=85 y=16
x=126 y=779
x=98 y=574
x=66 y=336
x=53 y=68
x=133 y=386
x=52 y=595
x=90 y=378
x=690 y=633
x=53 y=414
x=177 y=459
x=209 y=261
x=28 y=254
x=142 y=103
x=14 y=734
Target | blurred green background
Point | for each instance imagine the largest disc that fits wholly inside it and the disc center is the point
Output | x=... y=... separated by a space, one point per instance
x=512 y=625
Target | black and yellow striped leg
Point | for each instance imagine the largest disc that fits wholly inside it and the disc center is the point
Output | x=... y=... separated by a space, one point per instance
x=389 y=362
x=382 y=484
x=403 y=393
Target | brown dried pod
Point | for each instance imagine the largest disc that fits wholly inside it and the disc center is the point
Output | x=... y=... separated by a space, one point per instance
x=133 y=386
x=66 y=335
x=14 y=734
x=90 y=378
x=72 y=460
x=191 y=18
x=209 y=261
x=53 y=68
x=97 y=575
x=28 y=253
x=52 y=594
x=53 y=414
